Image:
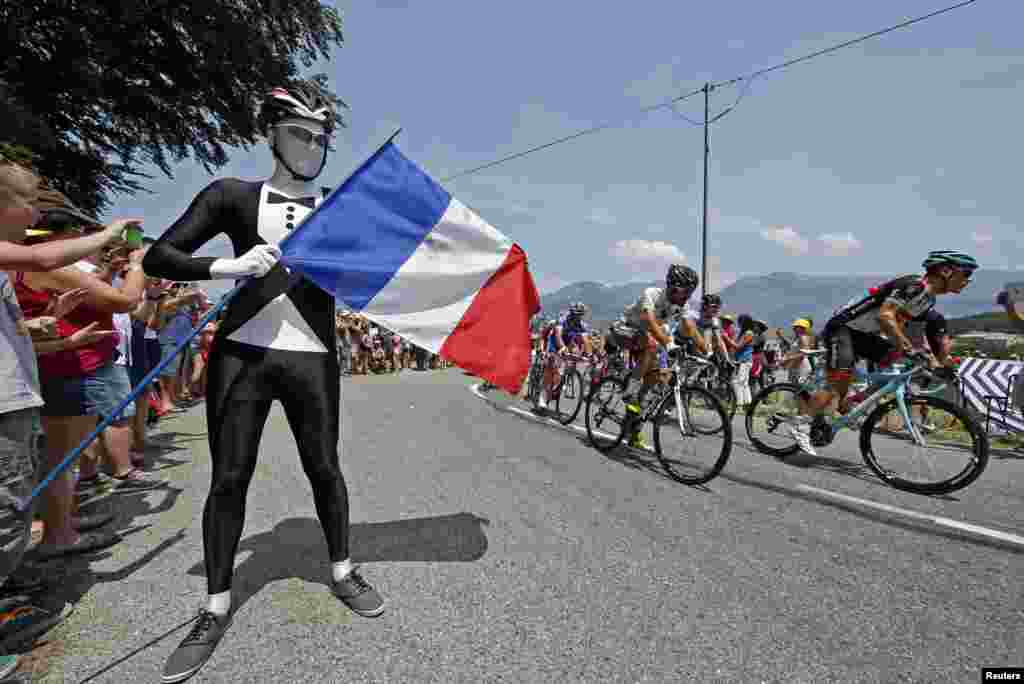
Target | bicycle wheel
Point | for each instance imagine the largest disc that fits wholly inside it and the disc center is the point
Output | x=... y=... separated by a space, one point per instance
x=953 y=454
x=569 y=396
x=606 y=414
x=533 y=380
x=690 y=454
x=769 y=414
x=711 y=380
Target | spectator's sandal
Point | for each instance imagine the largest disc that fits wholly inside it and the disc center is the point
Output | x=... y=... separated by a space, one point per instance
x=135 y=481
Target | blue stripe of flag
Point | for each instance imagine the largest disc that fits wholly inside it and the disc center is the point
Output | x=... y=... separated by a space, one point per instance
x=358 y=238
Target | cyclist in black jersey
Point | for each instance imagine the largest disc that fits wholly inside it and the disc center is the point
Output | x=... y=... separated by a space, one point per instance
x=856 y=329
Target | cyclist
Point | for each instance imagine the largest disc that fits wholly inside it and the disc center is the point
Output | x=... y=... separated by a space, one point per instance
x=548 y=344
x=572 y=331
x=643 y=327
x=569 y=331
x=856 y=330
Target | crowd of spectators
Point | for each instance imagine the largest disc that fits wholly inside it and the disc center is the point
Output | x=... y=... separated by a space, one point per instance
x=364 y=348
x=80 y=326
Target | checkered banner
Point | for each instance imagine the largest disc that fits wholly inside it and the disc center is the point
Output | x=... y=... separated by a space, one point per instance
x=981 y=378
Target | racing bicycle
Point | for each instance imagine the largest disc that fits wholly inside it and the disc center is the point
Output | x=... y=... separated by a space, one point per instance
x=692 y=433
x=911 y=438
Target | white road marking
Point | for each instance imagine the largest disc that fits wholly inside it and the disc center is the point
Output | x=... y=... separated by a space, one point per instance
x=825 y=493
x=475 y=389
x=934 y=519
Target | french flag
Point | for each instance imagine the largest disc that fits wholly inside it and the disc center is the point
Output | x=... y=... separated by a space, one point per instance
x=394 y=245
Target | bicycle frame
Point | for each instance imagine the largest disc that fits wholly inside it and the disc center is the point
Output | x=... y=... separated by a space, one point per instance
x=892 y=384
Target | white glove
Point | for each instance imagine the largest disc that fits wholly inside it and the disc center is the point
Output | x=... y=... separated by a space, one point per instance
x=255 y=263
x=671 y=346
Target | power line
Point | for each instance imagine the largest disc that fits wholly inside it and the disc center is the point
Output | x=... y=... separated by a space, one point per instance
x=573 y=136
x=848 y=43
x=670 y=103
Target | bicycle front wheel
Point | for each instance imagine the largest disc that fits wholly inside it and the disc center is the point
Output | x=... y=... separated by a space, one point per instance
x=692 y=435
x=952 y=453
x=769 y=416
x=606 y=415
x=569 y=398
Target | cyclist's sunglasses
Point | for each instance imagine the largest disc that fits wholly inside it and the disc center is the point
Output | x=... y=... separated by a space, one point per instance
x=680 y=291
x=967 y=274
x=306 y=136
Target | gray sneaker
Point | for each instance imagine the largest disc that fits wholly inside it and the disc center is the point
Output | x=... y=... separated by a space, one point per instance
x=196 y=648
x=358 y=595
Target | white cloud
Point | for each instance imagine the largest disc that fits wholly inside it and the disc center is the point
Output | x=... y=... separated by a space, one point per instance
x=647 y=256
x=839 y=245
x=791 y=241
x=547 y=284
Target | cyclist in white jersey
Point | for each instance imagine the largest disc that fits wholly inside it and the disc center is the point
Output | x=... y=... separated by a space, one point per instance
x=643 y=327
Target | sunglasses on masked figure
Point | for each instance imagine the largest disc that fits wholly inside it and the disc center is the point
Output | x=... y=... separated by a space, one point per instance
x=306 y=136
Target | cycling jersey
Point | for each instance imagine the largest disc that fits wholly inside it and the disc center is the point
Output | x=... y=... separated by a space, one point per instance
x=908 y=293
x=573 y=329
x=656 y=300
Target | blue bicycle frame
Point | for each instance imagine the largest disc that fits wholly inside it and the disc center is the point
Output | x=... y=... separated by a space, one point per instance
x=891 y=384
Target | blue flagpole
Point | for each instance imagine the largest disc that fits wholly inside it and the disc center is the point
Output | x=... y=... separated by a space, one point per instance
x=23 y=504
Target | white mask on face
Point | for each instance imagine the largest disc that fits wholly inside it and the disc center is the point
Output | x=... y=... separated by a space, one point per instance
x=302 y=145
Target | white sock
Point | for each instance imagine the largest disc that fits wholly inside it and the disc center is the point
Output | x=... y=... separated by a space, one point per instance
x=340 y=570
x=219 y=603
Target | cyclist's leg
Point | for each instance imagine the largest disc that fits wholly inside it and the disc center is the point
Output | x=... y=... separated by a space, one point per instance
x=839 y=362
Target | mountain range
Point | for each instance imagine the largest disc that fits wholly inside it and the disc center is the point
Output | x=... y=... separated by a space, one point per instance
x=778 y=298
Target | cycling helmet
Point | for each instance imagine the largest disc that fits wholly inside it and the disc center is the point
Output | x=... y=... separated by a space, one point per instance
x=711 y=300
x=728 y=317
x=578 y=309
x=802 y=323
x=301 y=101
x=951 y=258
x=682 y=277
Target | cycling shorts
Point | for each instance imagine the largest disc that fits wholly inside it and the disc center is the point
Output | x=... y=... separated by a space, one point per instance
x=572 y=338
x=845 y=347
x=633 y=339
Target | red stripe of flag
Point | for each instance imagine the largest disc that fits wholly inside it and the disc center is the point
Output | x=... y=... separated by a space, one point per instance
x=492 y=340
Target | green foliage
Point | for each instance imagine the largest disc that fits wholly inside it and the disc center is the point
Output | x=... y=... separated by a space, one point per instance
x=95 y=89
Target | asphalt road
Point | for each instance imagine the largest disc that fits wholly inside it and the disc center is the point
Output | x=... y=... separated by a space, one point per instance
x=511 y=551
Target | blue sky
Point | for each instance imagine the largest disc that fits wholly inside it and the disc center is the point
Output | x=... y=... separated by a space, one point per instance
x=856 y=162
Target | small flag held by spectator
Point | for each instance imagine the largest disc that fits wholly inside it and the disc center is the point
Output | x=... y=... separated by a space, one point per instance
x=394 y=245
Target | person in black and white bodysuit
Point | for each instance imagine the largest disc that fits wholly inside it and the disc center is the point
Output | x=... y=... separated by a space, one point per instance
x=277 y=341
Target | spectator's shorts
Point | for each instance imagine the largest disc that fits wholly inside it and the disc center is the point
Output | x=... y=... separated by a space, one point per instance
x=96 y=394
x=18 y=465
x=167 y=347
